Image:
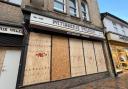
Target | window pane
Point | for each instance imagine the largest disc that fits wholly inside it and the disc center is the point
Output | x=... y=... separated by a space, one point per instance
x=62 y=1
x=15 y=1
x=83 y=7
x=72 y=3
x=84 y=15
x=73 y=11
x=58 y=6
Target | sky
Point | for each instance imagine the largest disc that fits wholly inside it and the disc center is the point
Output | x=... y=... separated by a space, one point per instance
x=118 y=8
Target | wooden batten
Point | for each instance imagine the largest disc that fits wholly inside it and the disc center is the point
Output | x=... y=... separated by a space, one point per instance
x=90 y=60
x=77 y=58
x=100 y=57
x=60 y=58
x=2 y=55
x=37 y=68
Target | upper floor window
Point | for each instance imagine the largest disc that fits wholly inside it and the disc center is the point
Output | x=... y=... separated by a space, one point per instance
x=123 y=32
x=84 y=9
x=122 y=26
x=73 y=7
x=59 y=5
x=115 y=26
x=18 y=2
x=122 y=29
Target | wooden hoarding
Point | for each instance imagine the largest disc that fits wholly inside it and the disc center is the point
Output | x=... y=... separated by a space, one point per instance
x=76 y=57
x=89 y=55
x=37 y=68
x=60 y=58
x=100 y=57
x=2 y=55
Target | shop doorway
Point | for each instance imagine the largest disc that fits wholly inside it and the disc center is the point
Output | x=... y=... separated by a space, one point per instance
x=9 y=65
x=120 y=57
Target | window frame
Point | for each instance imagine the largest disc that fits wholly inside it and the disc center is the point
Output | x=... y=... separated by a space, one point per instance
x=85 y=12
x=13 y=3
x=123 y=32
x=115 y=27
x=76 y=14
x=62 y=3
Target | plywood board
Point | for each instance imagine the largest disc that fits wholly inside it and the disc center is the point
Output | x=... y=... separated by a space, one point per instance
x=76 y=57
x=2 y=55
x=89 y=55
x=60 y=58
x=37 y=68
x=100 y=57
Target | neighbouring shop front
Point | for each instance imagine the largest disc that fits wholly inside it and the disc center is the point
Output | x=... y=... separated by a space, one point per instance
x=119 y=50
x=59 y=50
x=10 y=52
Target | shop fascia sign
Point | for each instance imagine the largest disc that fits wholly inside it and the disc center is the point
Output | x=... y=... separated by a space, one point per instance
x=10 y=30
x=119 y=38
x=64 y=26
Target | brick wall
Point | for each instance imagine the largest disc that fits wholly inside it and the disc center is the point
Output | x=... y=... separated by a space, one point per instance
x=93 y=12
x=10 y=13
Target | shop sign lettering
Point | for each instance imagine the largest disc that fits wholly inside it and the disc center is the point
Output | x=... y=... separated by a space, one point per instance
x=119 y=38
x=123 y=38
x=64 y=26
x=10 y=30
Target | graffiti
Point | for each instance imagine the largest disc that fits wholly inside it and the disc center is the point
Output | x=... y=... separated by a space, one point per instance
x=41 y=54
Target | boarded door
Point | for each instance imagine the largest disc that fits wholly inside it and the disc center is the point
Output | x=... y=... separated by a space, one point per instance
x=37 y=68
x=60 y=58
x=76 y=56
x=89 y=57
x=9 y=73
x=100 y=57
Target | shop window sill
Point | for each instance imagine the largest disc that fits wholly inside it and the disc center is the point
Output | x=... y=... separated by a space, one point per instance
x=13 y=4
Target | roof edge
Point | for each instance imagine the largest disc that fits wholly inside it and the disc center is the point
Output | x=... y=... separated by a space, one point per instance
x=111 y=15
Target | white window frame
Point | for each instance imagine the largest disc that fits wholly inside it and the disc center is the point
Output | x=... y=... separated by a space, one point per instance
x=86 y=12
x=77 y=12
x=123 y=32
x=115 y=27
x=11 y=1
x=64 y=5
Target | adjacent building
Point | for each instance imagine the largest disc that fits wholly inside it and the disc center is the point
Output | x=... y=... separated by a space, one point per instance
x=117 y=35
x=11 y=42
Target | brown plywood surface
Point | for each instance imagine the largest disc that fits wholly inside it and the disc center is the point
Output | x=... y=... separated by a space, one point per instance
x=60 y=58
x=2 y=55
x=89 y=57
x=100 y=57
x=76 y=57
x=37 y=69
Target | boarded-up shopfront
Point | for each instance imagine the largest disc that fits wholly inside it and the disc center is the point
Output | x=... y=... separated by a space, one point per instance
x=119 y=50
x=11 y=39
x=52 y=57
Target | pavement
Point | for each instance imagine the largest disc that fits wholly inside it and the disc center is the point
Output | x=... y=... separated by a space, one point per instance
x=120 y=82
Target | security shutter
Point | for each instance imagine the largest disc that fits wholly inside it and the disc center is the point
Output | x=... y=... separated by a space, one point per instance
x=10 y=40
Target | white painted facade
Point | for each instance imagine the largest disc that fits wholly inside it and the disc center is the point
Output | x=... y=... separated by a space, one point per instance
x=118 y=26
